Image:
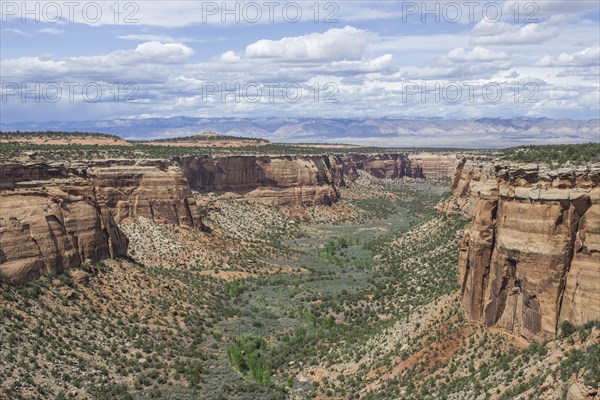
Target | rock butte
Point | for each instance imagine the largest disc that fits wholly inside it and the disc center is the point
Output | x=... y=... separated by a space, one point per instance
x=54 y=216
x=531 y=257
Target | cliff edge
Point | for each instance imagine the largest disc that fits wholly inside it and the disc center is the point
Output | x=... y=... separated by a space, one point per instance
x=531 y=257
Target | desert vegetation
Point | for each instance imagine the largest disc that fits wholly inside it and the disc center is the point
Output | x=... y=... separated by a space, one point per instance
x=555 y=155
x=354 y=300
x=61 y=146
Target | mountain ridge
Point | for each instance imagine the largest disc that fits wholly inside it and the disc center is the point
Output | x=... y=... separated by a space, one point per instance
x=434 y=132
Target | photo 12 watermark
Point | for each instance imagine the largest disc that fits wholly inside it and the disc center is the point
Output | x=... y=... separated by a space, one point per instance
x=90 y=12
x=269 y=92
x=253 y=12
x=129 y=12
x=71 y=92
x=469 y=11
x=469 y=92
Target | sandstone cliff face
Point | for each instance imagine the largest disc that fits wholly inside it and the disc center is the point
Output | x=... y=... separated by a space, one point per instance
x=281 y=180
x=434 y=166
x=384 y=166
x=47 y=230
x=55 y=216
x=151 y=189
x=299 y=180
x=531 y=257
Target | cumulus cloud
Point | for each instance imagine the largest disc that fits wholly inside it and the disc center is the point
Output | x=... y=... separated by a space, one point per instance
x=478 y=54
x=586 y=58
x=379 y=64
x=369 y=67
x=149 y=53
x=502 y=33
x=155 y=53
x=331 y=70
x=348 y=43
x=229 y=56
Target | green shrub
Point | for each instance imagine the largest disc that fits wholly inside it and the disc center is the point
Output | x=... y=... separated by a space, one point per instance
x=567 y=329
x=248 y=355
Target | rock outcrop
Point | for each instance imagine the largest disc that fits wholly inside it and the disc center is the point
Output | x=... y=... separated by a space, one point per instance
x=152 y=189
x=434 y=166
x=531 y=257
x=49 y=229
x=302 y=180
x=278 y=180
x=58 y=215
x=384 y=166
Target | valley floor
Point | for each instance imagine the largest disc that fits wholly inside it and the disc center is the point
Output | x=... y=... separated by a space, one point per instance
x=356 y=300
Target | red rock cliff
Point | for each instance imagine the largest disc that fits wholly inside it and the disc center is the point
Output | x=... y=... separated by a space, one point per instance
x=53 y=216
x=57 y=215
x=49 y=225
x=282 y=180
x=531 y=257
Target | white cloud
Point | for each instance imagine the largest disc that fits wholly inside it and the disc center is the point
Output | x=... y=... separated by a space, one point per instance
x=478 y=54
x=348 y=43
x=554 y=7
x=176 y=13
x=503 y=33
x=156 y=52
x=51 y=31
x=379 y=64
x=17 y=31
x=336 y=69
x=586 y=58
x=48 y=31
x=165 y=39
x=118 y=63
x=229 y=56
x=370 y=68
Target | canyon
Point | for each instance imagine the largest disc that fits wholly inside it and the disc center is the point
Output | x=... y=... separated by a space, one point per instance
x=58 y=215
x=531 y=256
x=154 y=268
x=528 y=261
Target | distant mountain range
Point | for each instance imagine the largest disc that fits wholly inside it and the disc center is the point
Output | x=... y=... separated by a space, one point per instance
x=402 y=132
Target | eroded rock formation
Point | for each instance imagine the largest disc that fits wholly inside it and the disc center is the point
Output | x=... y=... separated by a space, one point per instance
x=280 y=180
x=434 y=166
x=152 y=189
x=302 y=180
x=54 y=216
x=48 y=229
x=531 y=257
x=384 y=166
x=58 y=215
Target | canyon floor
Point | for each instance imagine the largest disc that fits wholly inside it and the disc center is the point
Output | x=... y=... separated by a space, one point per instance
x=355 y=300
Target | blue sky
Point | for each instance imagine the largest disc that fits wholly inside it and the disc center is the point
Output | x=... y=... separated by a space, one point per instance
x=368 y=59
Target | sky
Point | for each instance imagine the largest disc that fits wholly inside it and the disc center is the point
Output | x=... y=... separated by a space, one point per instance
x=82 y=60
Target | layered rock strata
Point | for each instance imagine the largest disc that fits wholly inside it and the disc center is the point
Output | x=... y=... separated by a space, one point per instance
x=434 y=166
x=278 y=180
x=47 y=229
x=57 y=215
x=384 y=166
x=531 y=257
x=152 y=189
x=54 y=216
